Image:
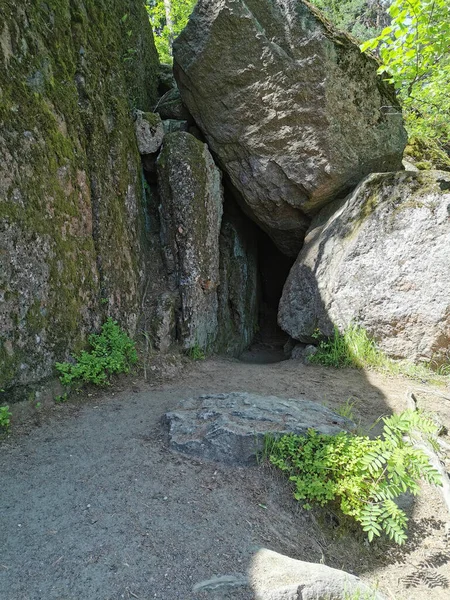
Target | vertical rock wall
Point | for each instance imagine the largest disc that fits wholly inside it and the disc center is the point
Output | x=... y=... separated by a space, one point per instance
x=191 y=215
x=71 y=190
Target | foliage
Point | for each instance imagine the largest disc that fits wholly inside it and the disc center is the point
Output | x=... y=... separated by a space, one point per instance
x=196 y=353
x=5 y=418
x=415 y=52
x=166 y=29
x=112 y=352
x=362 y=475
x=346 y=409
x=353 y=348
x=362 y=18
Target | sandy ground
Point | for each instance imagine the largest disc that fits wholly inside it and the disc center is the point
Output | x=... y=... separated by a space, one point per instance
x=93 y=506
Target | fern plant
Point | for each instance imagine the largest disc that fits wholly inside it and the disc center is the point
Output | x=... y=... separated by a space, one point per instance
x=362 y=475
x=112 y=352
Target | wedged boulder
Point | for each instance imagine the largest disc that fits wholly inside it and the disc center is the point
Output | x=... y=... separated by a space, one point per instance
x=191 y=213
x=277 y=577
x=171 y=107
x=294 y=112
x=149 y=131
x=231 y=427
x=381 y=261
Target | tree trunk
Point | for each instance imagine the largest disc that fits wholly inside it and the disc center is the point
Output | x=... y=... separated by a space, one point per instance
x=169 y=21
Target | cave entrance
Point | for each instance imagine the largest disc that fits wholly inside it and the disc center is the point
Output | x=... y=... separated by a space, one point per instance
x=273 y=270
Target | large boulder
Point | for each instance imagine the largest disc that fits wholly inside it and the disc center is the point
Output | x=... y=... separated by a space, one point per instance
x=231 y=427
x=381 y=261
x=191 y=197
x=277 y=577
x=295 y=113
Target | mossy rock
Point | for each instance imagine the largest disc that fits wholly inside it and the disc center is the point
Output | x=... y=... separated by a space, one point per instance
x=426 y=155
x=71 y=195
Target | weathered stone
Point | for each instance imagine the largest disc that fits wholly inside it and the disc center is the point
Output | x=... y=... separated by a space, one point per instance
x=172 y=125
x=171 y=107
x=149 y=131
x=166 y=80
x=231 y=427
x=164 y=322
x=191 y=213
x=71 y=222
x=238 y=290
x=302 y=352
x=277 y=577
x=379 y=260
x=295 y=113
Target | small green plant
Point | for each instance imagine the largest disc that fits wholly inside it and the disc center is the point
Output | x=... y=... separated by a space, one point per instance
x=62 y=398
x=112 y=352
x=196 y=353
x=363 y=476
x=353 y=348
x=346 y=409
x=5 y=418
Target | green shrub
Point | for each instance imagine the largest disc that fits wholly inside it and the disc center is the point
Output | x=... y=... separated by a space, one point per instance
x=5 y=418
x=112 y=352
x=363 y=476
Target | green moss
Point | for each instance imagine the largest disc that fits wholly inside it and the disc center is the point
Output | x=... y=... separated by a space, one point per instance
x=426 y=154
x=152 y=118
x=65 y=102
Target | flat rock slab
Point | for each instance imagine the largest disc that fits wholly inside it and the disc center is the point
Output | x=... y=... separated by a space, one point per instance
x=231 y=427
x=277 y=577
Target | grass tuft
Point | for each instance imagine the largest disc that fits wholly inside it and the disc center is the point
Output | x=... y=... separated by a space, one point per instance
x=355 y=349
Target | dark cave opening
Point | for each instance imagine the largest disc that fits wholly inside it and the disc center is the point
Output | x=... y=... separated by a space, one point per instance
x=274 y=268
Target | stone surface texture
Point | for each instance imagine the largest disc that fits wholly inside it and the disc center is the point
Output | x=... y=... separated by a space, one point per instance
x=277 y=577
x=171 y=106
x=71 y=226
x=294 y=112
x=239 y=283
x=378 y=259
x=149 y=131
x=191 y=214
x=231 y=427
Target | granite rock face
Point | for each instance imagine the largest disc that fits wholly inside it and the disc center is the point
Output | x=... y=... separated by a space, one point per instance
x=191 y=214
x=277 y=577
x=231 y=427
x=71 y=226
x=294 y=112
x=238 y=292
x=149 y=132
x=378 y=259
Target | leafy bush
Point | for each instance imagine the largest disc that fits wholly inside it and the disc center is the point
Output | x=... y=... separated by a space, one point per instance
x=112 y=352
x=415 y=53
x=362 y=475
x=5 y=418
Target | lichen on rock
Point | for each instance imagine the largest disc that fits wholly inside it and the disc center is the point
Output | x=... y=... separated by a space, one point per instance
x=71 y=222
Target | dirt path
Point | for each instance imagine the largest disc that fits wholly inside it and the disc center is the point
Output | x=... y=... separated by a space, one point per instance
x=94 y=507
